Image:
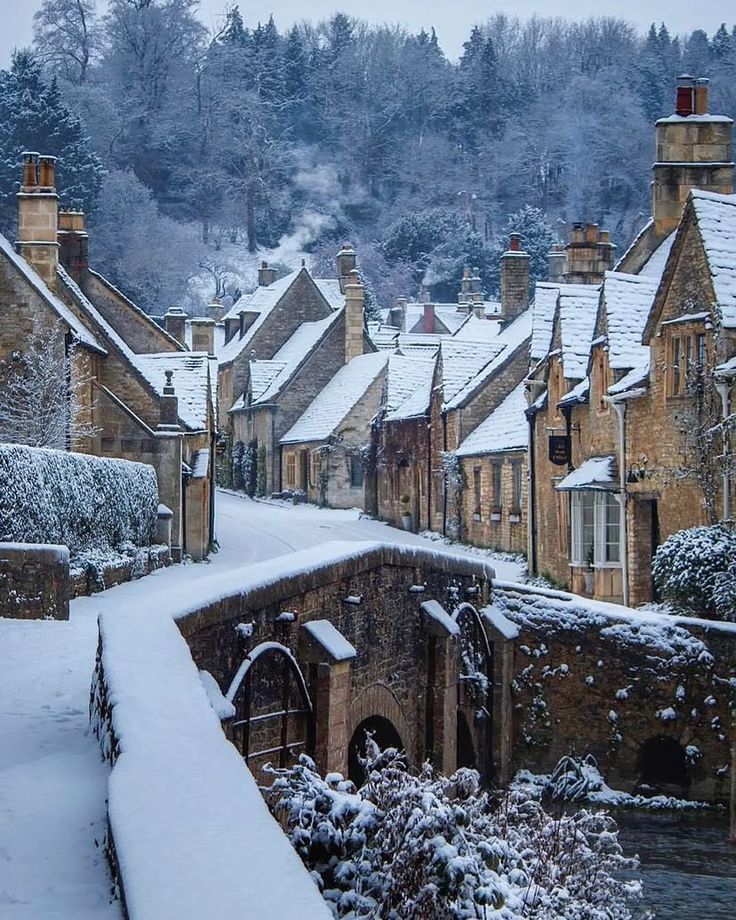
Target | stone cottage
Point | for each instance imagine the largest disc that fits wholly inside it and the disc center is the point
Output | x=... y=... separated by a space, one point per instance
x=145 y=396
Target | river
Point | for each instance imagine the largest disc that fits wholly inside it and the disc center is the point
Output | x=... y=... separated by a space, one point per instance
x=688 y=865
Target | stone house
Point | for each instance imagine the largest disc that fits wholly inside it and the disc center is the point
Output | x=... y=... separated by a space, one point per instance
x=616 y=455
x=324 y=453
x=145 y=396
x=291 y=337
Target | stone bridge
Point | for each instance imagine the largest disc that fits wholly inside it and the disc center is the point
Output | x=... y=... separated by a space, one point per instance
x=428 y=652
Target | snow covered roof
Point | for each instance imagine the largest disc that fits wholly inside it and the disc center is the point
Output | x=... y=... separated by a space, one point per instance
x=477 y=329
x=596 y=474
x=628 y=301
x=64 y=313
x=716 y=216
x=271 y=376
x=408 y=386
x=383 y=337
x=654 y=266
x=578 y=311
x=578 y=394
x=190 y=380
x=543 y=314
x=335 y=401
x=727 y=369
x=419 y=343
x=461 y=361
x=447 y=313
x=506 y=428
x=504 y=345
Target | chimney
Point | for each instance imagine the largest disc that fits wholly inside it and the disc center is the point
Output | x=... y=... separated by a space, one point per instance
x=515 y=264
x=345 y=261
x=175 y=323
x=397 y=314
x=428 y=319
x=215 y=310
x=169 y=406
x=354 y=300
x=694 y=150
x=556 y=260
x=73 y=244
x=203 y=334
x=266 y=275
x=589 y=255
x=38 y=206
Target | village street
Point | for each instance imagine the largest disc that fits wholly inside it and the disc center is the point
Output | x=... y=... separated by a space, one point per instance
x=52 y=782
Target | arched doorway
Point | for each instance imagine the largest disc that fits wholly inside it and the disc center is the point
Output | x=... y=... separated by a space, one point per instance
x=273 y=710
x=474 y=694
x=384 y=734
x=662 y=763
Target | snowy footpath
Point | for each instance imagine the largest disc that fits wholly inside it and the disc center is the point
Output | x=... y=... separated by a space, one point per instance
x=52 y=781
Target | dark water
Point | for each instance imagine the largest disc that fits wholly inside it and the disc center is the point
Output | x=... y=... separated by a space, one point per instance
x=688 y=865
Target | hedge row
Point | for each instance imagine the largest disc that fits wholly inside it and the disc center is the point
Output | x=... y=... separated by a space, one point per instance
x=84 y=502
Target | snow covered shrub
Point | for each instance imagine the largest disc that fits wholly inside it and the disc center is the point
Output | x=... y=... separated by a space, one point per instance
x=84 y=502
x=574 y=778
x=695 y=570
x=406 y=847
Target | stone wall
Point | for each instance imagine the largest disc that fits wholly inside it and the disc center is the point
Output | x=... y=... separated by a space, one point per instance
x=501 y=526
x=34 y=581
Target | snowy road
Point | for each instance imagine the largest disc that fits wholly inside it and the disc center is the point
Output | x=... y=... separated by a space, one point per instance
x=52 y=783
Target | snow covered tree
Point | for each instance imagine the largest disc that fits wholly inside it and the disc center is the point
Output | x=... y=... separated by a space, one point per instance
x=33 y=116
x=418 y=846
x=65 y=37
x=42 y=394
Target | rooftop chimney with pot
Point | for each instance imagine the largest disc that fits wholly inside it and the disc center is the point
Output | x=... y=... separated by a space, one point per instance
x=515 y=266
x=38 y=215
x=428 y=319
x=345 y=260
x=589 y=255
x=266 y=275
x=397 y=314
x=694 y=150
x=73 y=244
x=354 y=322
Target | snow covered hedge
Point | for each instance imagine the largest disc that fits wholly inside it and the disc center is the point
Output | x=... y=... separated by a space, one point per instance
x=419 y=846
x=695 y=570
x=84 y=502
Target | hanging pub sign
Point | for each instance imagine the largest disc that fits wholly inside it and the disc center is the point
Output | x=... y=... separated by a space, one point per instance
x=559 y=449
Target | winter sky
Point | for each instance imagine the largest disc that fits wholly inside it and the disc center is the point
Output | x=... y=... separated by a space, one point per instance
x=451 y=20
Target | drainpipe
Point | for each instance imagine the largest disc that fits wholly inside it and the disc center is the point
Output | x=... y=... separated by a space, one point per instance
x=724 y=392
x=620 y=409
x=444 y=476
x=430 y=477
x=532 y=498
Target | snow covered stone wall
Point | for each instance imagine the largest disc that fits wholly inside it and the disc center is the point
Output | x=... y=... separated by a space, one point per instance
x=34 y=581
x=83 y=502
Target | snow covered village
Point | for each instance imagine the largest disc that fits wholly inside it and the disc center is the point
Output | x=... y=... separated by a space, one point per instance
x=367 y=481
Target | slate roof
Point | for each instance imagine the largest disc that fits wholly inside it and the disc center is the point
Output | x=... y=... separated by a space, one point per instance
x=335 y=401
x=716 y=217
x=190 y=380
x=628 y=300
x=543 y=314
x=506 y=428
x=461 y=361
x=578 y=311
x=408 y=386
x=477 y=329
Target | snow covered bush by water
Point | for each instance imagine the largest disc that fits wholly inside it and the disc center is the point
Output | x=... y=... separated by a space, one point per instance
x=407 y=846
x=695 y=570
x=87 y=503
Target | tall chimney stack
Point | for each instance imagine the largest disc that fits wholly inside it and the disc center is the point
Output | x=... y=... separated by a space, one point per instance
x=556 y=261
x=266 y=275
x=203 y=334
x=515 y=265
x=694 y=150
x=345 y=261
x=175 y=323
x=354 y=323
x=589 y=255
x=73 y=244
x=38 y=207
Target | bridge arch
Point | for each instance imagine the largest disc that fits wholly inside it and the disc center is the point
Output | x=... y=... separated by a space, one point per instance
x=274 y=715
x=662 y=761
x=384 y=733
x=378 y=700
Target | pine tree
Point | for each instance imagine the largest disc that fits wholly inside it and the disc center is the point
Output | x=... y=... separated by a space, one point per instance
x=34 y=117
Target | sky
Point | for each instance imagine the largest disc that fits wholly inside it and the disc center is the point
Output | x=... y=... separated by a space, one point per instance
x=451 y=20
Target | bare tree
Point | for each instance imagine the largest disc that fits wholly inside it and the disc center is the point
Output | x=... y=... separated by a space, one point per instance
x=42 y=394
x=65 y=36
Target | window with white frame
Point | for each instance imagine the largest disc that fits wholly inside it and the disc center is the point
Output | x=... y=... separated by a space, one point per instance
x=596 y=528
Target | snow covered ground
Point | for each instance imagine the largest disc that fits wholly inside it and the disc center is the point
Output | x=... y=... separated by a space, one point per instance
x=52 y=782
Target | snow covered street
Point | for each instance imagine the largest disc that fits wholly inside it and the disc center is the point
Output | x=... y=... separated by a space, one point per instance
x=52 y=782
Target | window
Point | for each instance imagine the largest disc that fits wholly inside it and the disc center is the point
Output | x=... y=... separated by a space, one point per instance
x=496 y=487
x=676 y=367
x=357 y=473
x=596 y=528
x=688 y=356
x=701 y=354
x=290 y=469
x=313 y=468
x=476 y=492
x=516 y=482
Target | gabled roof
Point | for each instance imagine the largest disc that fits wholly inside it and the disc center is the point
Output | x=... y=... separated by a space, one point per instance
x=627 y=300
x=477 y=329
x=334 y=402
x=461 y=361
x=505 y=344
x=62 y=311
x=408 y=386
x=716 y=219
x=506 y=428
x=190 y=380
x=654 y=266
x=577 y=315
x=543 y=314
